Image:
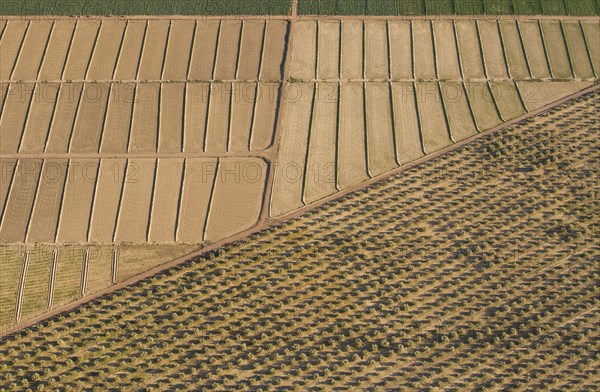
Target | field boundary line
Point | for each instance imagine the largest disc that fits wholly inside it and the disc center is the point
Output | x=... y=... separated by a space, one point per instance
x=271 y=222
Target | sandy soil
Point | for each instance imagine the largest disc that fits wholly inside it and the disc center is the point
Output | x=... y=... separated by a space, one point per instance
x=118 y=118
x=64 y=117
x=144 y=126
x=433 y=122
x=153 y=52
x=264 y=116
x=303 y=58
x=507 y=99
x=352 y=49
x=242 y=107
x=482 y=102
x=329 y=50
x=32 y=50
x=380 y=134
x=205 y=41
x=400 y=50
x=515 y=56
x=165 y=202
x=534 y=49
x=13 y=36
x=423 y=50
x=250 y=50
x=556 y=49
x=469 y=48
x=217 y=133
x=227 y=50
x=131 y=49
x=56 y=53
x=178 y=50
x=351 y=165
x=495 y=63
x=273 y=51
x=408 y=133
x=171 y=129
x=81 y=49
x=106 y=200
x=107 y=50
x=89 y=122
x=14 y=116
x=462 y=125
x=195 y=116
x=446 y=50
x=39 y=119
x=376 y=50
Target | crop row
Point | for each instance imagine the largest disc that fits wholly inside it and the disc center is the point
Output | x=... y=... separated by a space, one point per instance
x=467 y=273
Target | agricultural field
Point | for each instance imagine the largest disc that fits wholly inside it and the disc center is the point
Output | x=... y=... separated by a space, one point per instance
x=449 y=7
x=474 y=271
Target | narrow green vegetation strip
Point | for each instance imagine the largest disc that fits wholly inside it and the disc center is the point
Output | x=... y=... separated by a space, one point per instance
x=145 y=7
x=449 y=7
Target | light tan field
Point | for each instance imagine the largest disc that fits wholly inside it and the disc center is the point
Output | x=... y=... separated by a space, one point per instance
x=265 y=110
x=196 y=103
x=12 y=265
x=153 y=51
x=218 y=131
x=14 y=115
x=242 y=107
x=401 y=47
x=165 y=202
x=491 y=43
x=273 y=52
x=36 y=282
x=460 y=119
x=303 y=58
x=67 y=277
x=515 y=56
x=178 y=50
x=538 y=94
x=507 y=99
x=106 y=200
x=352 y=57
x=329 y=50
x=380 y=134
x=144 y=126
x=422 y=44
x=205 y=41
x=469 y=48
x=32 y=51
x=12 y=38
x=89 y=121
x=319 y=180
x=448 y=67
x=251 y=50
x=81 y=50
x=408 y=129
x=227 y=50
x=64 y=117
x=39 y=118
x=578 y=51
x=115 y=137
x=592 y=36
x=351 y=165
x=106 y=53
x=556 y=49
x=376 y=50
x=170 y=131
x=433 y=122
x=131 y=49
x=484 y=107
x=534 y=49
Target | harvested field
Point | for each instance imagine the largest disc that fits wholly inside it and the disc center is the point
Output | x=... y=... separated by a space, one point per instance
x=251 y=47
x=376 y=50
x=152 y=59
x=135 y=259
x=433 y=121
x=14 y=115
x=170 y=131
x=407 y=128
x=217 y=133
x=12 y=258
x=513 y=46
x=483 y=105
x=506 y=256
x=131 y=50
x=144 y=125
x=68 y=274
x=196 y=110
x=100 y=268
x=263 y=126
x=165 y=202
x=227 y=50
x=578 y=51
x=460 y=119
x=320 y=171
x=236 y=198
x=556 y=49
x=63 y=120
x=423 y=53
x=39 y=118
x=328 y=66
x=57 y=50
x=179 y=49
x=36 y=282
x=304 y=57
x=446 y=51
x=273 y=52
x=592 y=36
x=243 y=103
x=493 y=52
x=32 y=51
x=205 y=41
x=381 y=155
x=89 y=121
x=80 y=50
x=107 y=51
x=107 y=200
x=352 y=53
x=401 y=48
x=538 y=94
x=508 y=100
x=469 y=49
x=535 y=49
x=10 y=45
x=351 y=162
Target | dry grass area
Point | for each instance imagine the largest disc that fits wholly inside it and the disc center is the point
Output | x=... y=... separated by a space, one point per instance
x=475 y=271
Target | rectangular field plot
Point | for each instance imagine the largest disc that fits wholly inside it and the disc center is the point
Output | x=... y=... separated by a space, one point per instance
x=432 y=117
x=483 y=105
x=144 y=126
x=12 y=264
x=423 y=55
x=507 y=99
x=196 y=110
x=63 y=120
x=469 y=49
x=380 y=133
x=77 y=203
x=100 y=268
x=329 y=51
x=115 y=135
x=179 y=49
x=205 y=43
x=493 y=55
x=352 y=163
x=136 y=201
x=534 y=49
x=81 y=49
x=56 y=51
x=287 y=186
x=32 y=51
x=19 y=203
x=106 y=200
x=37 y=282
x=319 y=180
x=251 y=46
x=131 y=49
x=44 y=218
x=538 y=94
x=198 y=179
x=170 y=133
x=165 y=200
x=263 y=126
x=376 y=50
x=304 y=55
x=242 y=111
x=460 y=118
x=10 y=45
x=592 y=36
x=237 y=197
x=218 y=124
x=135 y=259
x=89 y=123
x=513 y=46
x=408 y=130
x=153 y=52
x=578 y=50
x=106 y=53
x=556 y=49
x=14 y=115
x=67 y=280
x=227 y=50
x=401 y=48
x=352 y=49
x=39 y=118
x=446 y=50
x=7 y=170
x=273 y=51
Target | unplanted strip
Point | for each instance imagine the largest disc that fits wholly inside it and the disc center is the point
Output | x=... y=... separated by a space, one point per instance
x=195 y=196
x=458 y=112
x=81 y=49
x=136 y=201
x=10 y=46
x=592 y=36
x=380 y=135
x=273 y=52
x=423 y=50
x=515 y=56
x=77 y=203
x=106 y=200
x=218 y=118
x=446 y=50
x=227 y=51
x=320 y=172
x=56 y=51
x=205 y=43
x=508 y=100
x=131 y=50
x=145 y=118
x=303 y=56
x=250 y=50
x=64 y=117
x=32 y=52
x=237 y=198
x=195 y=116
x=14 y=115
x=470 y=51
x=118 y=118
x=171 y=117
x=539 y=94
x=351 y=165
x=106 y=54
x=264 y=116
x=578 y=50
x=329 y=58
x=7 y=169
x=376 y=50
x=406 y=121
x=401 y=50
x=433 y=123
x=90 y=118
x=39 y=118
x=352 y=49
x=287 y=186
x=153 y=54
x=44 y=219
x=242 y=106
x=534 y=49
x=99 y=268
x=166 y=199
x=20 y=201
x=492 y=49
x=482 y=102
x=179 y=49
x=556 y=49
